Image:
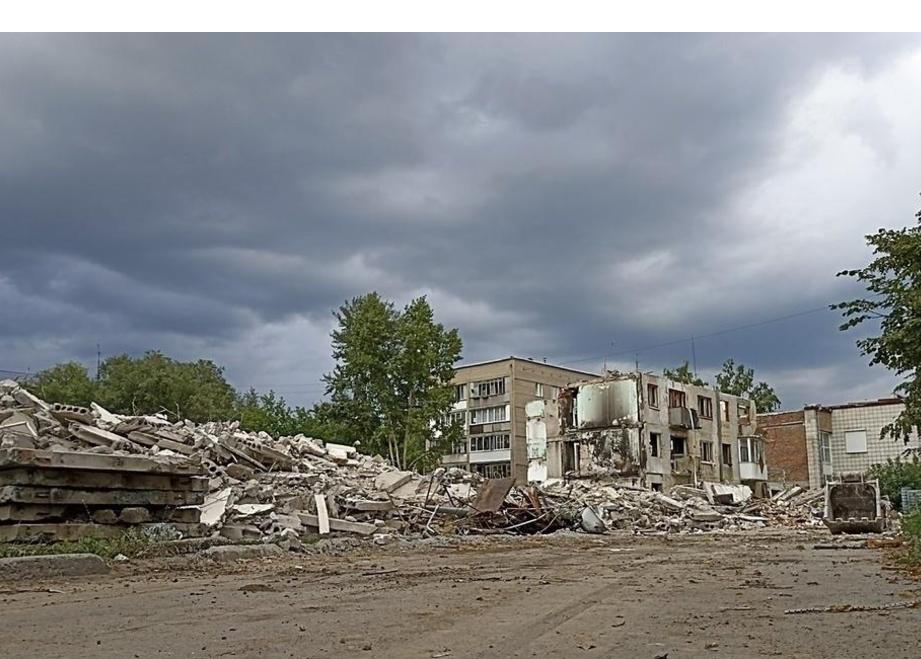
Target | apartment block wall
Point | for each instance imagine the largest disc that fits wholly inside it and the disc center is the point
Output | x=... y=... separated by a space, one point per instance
x=521 y=386
x=616 y=413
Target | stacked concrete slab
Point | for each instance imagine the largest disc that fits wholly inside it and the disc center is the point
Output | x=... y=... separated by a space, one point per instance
x=63 y=495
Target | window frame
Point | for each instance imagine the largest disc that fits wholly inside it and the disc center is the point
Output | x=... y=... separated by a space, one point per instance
x=705 y=406
x=655 y=445
x=847 y=442
x=652 y=395
x=679 y=396
x=709 y=446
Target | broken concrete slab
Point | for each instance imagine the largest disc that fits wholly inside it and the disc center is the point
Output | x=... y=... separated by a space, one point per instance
x=338 y=524
x=322 y=514
x=388 y=481
x=227 y=553
x=58 y=565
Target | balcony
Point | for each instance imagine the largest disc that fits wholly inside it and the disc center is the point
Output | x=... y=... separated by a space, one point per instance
x=683 y=417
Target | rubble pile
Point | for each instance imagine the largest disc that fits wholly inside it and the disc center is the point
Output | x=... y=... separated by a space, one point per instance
x=684 y=508
x=68 y=471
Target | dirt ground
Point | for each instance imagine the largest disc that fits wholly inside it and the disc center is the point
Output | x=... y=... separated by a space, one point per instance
x=571 y=596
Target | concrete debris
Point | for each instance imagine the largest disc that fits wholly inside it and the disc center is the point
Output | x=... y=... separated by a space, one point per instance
x=68 y=472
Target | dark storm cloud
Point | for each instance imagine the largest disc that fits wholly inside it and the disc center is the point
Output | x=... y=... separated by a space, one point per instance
x=185 y=190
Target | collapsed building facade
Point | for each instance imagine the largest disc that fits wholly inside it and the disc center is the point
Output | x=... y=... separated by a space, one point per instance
x=647 y=430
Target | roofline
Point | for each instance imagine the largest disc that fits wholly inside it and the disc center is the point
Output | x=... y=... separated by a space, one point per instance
x=522 y=359
x=879 y=402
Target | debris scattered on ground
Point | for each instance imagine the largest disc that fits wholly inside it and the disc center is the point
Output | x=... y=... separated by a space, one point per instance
x=68 y=472
x=856 y=608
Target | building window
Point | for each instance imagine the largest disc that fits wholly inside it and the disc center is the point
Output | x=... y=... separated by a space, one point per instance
x=654 y=440
x=743 y=410
x=652 y=395
x=727 y=454
x=538 y=390
x=751 y=450
x=677 y=398
x=459 y=447
x=489 y=443
x=825 y=446
x=456 y=418
x=724 y=408
x=494 y=387
x=488 y=415
x=679 y=446
x=855 y=441
x=493 y=469
x=705 y=407
x=706 y=451
x=460 y=392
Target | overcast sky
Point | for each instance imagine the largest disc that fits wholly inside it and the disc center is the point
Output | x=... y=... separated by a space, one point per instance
x=557 y=197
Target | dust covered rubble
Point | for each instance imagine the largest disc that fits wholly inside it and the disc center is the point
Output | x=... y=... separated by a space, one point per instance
x=290 y=489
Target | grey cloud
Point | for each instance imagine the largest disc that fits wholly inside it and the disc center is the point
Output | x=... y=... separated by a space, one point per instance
x=163 y=186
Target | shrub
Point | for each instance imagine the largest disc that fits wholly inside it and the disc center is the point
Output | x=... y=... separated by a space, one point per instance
x=911 y=529
x=896 y=474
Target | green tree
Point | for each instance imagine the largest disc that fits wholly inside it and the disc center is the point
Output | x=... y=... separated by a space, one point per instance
x=390 y=389
x=66 y=383
x=270 y=413
x=737 y=380
x=683 y=374
x=893 y=280
x=154 y=383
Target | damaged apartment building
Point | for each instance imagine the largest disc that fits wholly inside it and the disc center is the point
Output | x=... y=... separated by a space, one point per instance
x=648 y=430
x=490 y=399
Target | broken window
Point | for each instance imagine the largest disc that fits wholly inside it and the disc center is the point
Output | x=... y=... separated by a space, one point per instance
x=751 y=449
x=493 y=469
x=724 y=407
x=679 y=446
x=743 y=410
x=654 y=439
x=825 y=446
x=705 y=406
x=727 y=454
x=494 y=387
x=652 y=395
x=489 y=442
x=706 y=451
x=744 y=452
x=656 y=487
x=677 y=398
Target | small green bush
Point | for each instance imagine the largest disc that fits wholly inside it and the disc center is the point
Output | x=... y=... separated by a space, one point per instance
x=911 y=529
x=896 y=474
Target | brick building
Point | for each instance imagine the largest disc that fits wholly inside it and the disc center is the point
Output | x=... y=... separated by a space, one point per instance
x=806 y=447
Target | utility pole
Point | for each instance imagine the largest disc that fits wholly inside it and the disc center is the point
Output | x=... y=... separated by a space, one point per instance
x=98 y=361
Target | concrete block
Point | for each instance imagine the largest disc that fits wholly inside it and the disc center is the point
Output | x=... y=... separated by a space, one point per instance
x=388 y=481
x=105 y=516
x=134 y=515
x=60 y=565
x=228 y=553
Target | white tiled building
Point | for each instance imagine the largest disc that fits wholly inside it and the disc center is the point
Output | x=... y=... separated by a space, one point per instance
x=856 y=442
